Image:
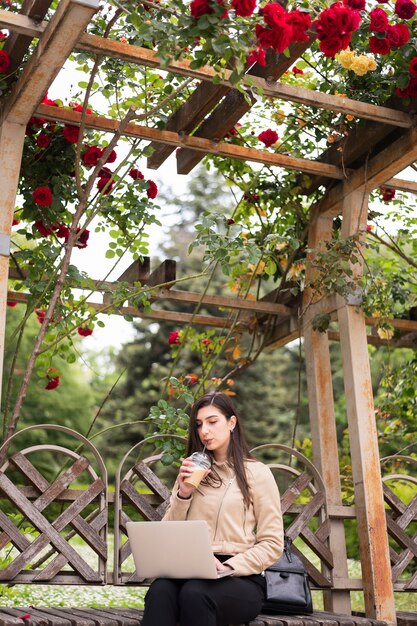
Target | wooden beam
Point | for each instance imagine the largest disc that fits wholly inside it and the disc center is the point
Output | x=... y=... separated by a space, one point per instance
x=143 y=56
x=322 y=414
x=288 y=330
x=176 y=295
x=372 y=531
x=12 y=137
x=138 y=271
x=17 y=44
x=223 y=118
x=166 y=272
x=206 y=146
x=400 y=184
x=374 y=340
x=252 y=306
x=235 y=105
x=55 y=45
x=188 y=117
x=154 y=314
x=384 y=166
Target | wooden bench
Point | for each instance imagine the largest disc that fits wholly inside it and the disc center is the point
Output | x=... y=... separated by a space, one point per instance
x=76 y=501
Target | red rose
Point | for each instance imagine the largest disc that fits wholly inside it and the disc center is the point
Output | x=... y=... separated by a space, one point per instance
x=379 y=46
x=11 y=304
x=84 y=332
x=296 y=70
x=136 y=174
x=268 y=137
x=413 y=67
x=15 y=221
x=152 y=190
x=335 y=26
x=79 y=108
x=37 y=121
x=358 y=5
x=277 y=38
x=105 y=172
x=257 y=56
x=398 y=35
x=244 y=8
x=62 y=231
x=330 y=46
x=202 y=7
x=379 y=20
x=53 y=379
x=273 y=14
x=71 y=133
x=44 y=230
x=4 y=61
x=82 y=239
x=402 y=93
x=253 y=198
x=112 y=157
x=405 y=9
x=300 y=22
x=387 y=194
x=403 y=34
x=105 y=185
x=412 y=88
x=49 y=102
x=92 y=155
x=43 y=141
x=42 y=196
x=230 y=221
x=173 y=338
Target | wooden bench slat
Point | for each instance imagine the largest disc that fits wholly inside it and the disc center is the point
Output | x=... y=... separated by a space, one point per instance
x=54 y=616
x=119 y=616
x=8 y=618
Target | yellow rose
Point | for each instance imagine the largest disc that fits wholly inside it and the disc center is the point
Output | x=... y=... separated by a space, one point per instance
x=346 y=58
x=360 y=65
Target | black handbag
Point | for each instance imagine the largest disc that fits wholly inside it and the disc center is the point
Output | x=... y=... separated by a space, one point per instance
x=287 y=588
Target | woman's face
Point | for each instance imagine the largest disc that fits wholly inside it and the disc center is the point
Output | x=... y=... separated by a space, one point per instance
x=214 y=430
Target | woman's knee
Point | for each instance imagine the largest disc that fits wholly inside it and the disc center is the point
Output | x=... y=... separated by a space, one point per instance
x=162 y=588
x=195 y=592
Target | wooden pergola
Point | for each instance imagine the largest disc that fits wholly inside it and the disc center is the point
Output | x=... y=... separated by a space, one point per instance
x=374 y=155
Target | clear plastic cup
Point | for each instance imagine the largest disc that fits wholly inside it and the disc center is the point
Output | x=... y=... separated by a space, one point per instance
x=201 y=462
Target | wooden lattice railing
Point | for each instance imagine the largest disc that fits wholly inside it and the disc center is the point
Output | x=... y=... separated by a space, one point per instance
x=45 y=516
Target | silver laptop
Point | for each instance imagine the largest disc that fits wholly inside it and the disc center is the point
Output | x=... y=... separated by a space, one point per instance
x=172 y=549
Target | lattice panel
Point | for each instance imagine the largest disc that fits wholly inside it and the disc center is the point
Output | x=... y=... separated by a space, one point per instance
x=303 y=503
x=402 y=531
x=47 y=519
x=149 y=506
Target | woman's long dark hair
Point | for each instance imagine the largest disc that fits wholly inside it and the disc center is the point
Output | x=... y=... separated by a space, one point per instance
x=238 y=449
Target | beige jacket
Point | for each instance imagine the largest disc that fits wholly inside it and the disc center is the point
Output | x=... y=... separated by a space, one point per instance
x=254 y=535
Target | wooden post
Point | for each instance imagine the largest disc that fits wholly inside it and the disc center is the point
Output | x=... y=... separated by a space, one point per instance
x=11 y=147
x=369 y=501
x=322 y=420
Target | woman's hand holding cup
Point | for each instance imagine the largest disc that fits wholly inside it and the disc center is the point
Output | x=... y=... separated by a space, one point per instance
x=192 y=471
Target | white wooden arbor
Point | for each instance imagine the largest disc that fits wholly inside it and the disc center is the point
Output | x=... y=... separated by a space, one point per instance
x=390 y=142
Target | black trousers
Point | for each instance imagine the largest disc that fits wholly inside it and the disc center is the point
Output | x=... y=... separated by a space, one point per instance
x=196 y=602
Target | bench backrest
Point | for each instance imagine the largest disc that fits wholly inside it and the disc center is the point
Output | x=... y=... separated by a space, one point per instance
x=54 y=528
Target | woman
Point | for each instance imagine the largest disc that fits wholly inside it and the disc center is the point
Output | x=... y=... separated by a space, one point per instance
x=240 y=501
